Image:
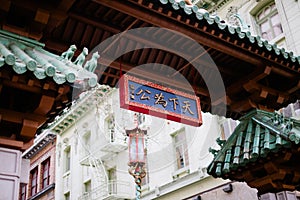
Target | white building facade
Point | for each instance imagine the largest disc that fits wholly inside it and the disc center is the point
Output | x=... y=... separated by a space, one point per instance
x=272 y=20
x=92 y=152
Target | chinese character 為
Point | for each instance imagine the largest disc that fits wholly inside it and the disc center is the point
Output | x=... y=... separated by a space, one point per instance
x=160 y=100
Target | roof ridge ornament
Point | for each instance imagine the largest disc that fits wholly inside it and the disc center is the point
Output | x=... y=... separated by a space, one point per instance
x=234 y=18
x=80 y=59
x=69 y=53
x=91 y=64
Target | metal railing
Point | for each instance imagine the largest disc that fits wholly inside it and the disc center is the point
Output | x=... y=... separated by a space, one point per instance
x=112 y=190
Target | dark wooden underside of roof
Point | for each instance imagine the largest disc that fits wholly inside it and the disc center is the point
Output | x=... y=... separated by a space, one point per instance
x=27 y=104
x=253 y=77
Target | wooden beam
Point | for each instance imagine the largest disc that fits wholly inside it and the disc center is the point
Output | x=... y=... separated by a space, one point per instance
x=45 y=105
x=270 y=167
x=148 y=75
x=244 y=105
x=25 y=87
x=11 y=143
x=65 y=5
x=17 y=117
x=256 y=75
x=203 y=38
x=294 y=89
x=120 y=35
x=268 y=179
x=189 y=63
x=149 y=42
x=251 y=85
x=97 y=24
x=29 y=128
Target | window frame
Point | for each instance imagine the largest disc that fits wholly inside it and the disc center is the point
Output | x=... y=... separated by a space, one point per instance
x=110 y=128
x=23 y=191
x=67 y=159
x=34 y=176
x=227 y=127
x=261 y=8
x=181 y=144
x=45 y=164
x=67 y=196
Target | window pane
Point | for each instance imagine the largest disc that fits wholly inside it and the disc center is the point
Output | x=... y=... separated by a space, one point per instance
x=68 y=159
x=268 y=22
x=87 y=186
x=267 y=10
x=266 y=30
x=67 y=196
x=33 y=182
x=23 y=192
x=276 y=25
x=260 y=16
x=181 y=150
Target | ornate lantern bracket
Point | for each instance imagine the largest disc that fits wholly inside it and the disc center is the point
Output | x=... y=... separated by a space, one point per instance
x=137 y=157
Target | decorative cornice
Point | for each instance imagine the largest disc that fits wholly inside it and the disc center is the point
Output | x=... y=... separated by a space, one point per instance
x=79 y=108
x=41 y=141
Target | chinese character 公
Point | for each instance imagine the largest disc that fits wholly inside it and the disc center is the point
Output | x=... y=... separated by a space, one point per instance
x=144 y=97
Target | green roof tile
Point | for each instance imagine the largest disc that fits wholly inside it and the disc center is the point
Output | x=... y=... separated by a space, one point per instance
x=24 y=54
x=258 y=135
x=202 y=14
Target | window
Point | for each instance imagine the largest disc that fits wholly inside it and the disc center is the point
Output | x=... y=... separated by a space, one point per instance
x=181 y=150
x=111 y=128
x=23 y=191
x=33 y=181
x=227 y=128
x=67 y=196
x=140 y=118
x=112 y=177
x=87 y=141
x=87 y=186
x=46 y=173
x=268 y=22
x=67 y=159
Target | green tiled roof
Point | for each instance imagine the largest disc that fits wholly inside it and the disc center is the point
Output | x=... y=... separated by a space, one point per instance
x=201 y=15
x=24 y=54
x=258 y=135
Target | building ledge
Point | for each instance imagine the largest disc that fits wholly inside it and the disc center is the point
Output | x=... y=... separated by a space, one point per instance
x=42 y=192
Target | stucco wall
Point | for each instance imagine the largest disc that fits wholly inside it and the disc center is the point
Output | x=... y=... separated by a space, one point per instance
x=10 y=172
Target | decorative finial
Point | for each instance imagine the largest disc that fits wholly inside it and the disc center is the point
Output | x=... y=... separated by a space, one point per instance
x=69 y=53
x=213 y=151
x=80 y=59
x=91 y=64
x=220 y=142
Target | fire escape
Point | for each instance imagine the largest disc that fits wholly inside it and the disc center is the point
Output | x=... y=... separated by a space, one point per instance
x=93 y=160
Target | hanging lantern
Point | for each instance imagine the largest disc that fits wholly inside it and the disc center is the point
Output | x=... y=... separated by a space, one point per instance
x=136 y=146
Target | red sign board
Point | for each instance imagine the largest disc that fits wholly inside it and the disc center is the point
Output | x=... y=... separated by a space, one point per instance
x=153 y=99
